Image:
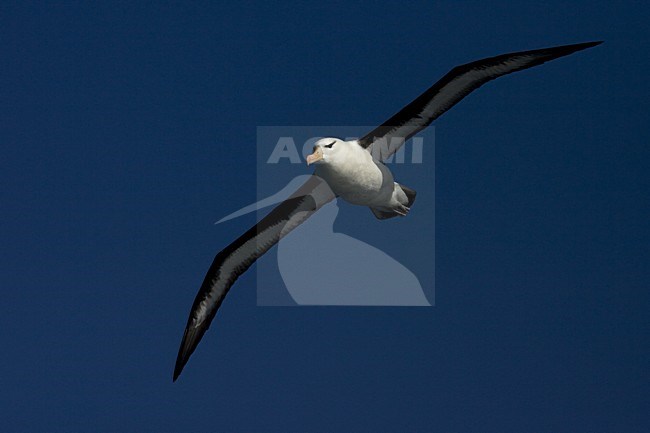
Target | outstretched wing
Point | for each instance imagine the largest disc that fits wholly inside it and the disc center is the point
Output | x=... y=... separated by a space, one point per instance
x=447 y=92
x=237 y=257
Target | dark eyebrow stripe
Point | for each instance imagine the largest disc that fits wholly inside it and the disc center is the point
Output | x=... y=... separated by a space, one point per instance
x=331 y=144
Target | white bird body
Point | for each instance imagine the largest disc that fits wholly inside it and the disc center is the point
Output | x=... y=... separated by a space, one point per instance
x=352 y=174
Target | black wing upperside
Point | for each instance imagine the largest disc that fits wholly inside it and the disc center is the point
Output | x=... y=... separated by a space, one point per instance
x=237 y=257
x=386 y=139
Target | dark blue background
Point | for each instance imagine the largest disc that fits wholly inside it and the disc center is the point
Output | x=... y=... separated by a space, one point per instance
x=127 y=130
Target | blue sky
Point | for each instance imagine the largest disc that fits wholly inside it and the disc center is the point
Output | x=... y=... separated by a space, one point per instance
x=126 y=130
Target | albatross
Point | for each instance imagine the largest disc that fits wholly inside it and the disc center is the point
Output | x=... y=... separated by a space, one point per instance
x=353 y=171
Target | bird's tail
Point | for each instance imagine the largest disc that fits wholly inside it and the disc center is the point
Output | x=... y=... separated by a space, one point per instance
x=401 y=209
x=410 y=194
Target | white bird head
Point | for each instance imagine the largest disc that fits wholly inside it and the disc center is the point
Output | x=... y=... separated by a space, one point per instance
x=326 y=150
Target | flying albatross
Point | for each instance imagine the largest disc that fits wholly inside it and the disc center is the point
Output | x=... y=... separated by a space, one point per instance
x=353 y=171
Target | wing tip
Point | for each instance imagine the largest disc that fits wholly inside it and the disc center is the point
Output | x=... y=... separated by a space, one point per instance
x=191 y=339
x=181 y=360
x=591 y=43
x=585 y=45
x=177 y=372
x=565 y=50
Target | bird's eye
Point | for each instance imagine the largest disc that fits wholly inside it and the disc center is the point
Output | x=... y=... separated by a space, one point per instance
x=330 y=145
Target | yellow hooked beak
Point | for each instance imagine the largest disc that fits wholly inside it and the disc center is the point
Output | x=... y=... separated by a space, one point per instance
x=316 y=156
